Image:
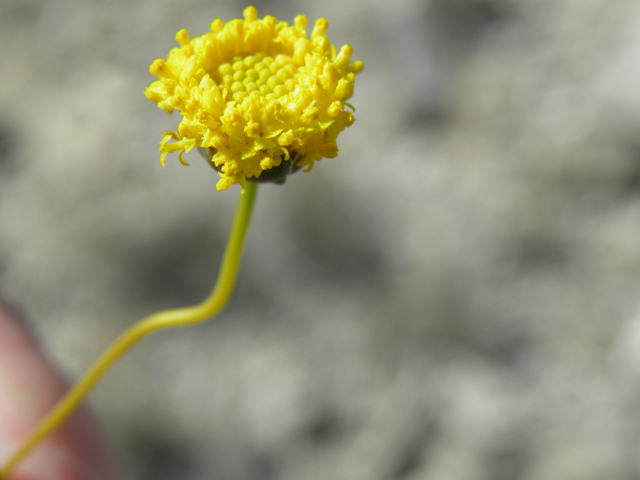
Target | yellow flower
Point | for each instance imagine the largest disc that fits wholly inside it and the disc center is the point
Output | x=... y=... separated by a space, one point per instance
x=256 y=95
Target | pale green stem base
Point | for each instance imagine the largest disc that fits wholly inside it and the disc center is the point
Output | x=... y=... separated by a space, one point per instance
x=166 y=319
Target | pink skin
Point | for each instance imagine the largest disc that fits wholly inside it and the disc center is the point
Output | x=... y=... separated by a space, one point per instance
x=29 y=387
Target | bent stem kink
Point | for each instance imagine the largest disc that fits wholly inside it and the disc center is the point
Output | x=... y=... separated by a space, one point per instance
x=166 y=319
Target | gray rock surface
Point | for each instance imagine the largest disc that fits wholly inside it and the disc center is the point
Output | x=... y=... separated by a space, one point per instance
x=456 y=296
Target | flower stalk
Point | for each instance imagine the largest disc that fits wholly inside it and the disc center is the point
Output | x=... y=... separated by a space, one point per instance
x=180 y=317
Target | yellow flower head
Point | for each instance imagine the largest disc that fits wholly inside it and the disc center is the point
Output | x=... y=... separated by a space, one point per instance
x=256 y=95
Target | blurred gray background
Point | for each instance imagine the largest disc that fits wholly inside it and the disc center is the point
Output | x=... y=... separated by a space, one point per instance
x=455 y=297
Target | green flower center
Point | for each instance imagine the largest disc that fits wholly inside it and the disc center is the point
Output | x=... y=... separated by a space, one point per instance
x=272 y=77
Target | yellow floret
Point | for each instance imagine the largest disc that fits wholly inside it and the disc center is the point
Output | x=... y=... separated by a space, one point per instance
x=253 y=93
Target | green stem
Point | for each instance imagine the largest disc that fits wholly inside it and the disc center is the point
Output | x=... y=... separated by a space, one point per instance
x=166 y=319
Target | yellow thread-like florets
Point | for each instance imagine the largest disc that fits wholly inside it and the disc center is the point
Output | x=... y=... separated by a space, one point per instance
x=255 y=93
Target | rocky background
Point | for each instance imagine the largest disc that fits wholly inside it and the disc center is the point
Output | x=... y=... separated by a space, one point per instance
x=455 y=297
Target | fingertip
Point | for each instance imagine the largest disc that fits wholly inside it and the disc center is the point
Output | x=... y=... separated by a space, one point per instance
x=29 y=387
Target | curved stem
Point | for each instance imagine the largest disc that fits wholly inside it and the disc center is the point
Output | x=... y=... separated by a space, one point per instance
x=166 y=319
